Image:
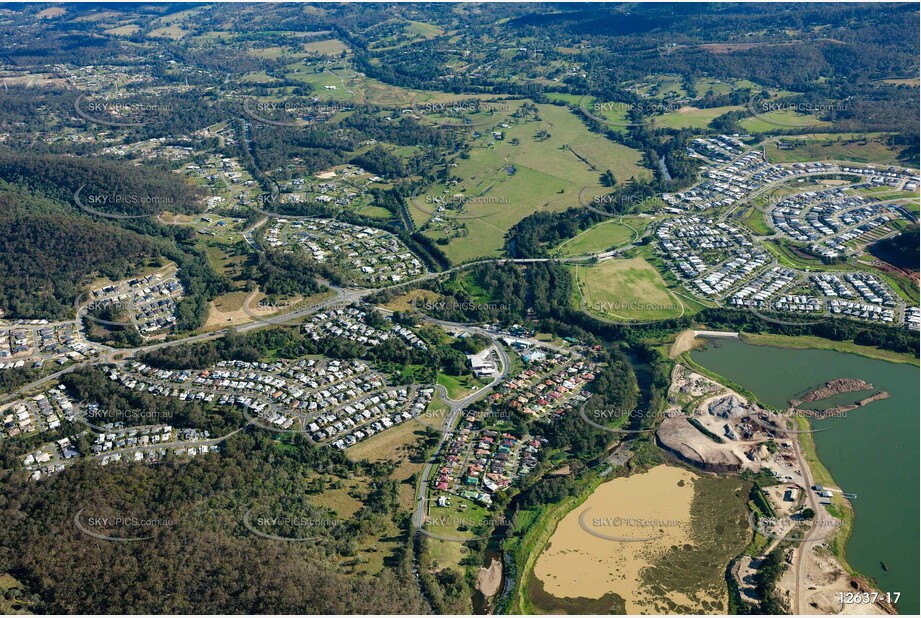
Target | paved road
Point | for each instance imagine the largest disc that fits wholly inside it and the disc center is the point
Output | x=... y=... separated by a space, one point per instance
x=48 y=378
x=345 y=295
x=168 y=445
x=447 y=428
x=248 y=233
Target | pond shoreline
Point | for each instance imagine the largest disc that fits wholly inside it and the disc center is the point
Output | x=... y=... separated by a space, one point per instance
x=777 y=376
x=808 y=342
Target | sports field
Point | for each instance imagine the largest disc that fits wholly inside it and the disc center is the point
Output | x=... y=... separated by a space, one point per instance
x=626 y=290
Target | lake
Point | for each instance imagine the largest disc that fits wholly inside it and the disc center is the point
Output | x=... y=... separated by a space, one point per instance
x=873 y=451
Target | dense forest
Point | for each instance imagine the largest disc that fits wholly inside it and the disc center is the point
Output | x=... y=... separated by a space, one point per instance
x=112 y=188
x=202 y=558
x=51 y=247
x=830 y=53
x=47 y=260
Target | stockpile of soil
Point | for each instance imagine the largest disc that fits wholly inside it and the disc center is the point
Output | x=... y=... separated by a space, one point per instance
x=834 y=387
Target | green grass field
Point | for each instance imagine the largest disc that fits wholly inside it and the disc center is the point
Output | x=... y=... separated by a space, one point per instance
x=458 y=387
x=548 y=176
x=390 y=445
x=718 y=86
x=888 y=193
x=424 y=29
x=349 y=86
x=269 y=53
x=627 y=290
x=808 y=342
x=604 y=236
x=329 y=47
x=707 y=84
x=783 y=119
x=377 y=212
x=452 y=522
x=614 y=113
x=661 y=85
x=787 y=255
x=571 y=99
x=693 y=117
x=754 y=219
x=843 y=149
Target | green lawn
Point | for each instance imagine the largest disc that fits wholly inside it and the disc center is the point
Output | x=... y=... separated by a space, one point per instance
x=377 y=212
x=627 y=289
x=833 y=148
x=458 y=386
x=450 y=522
x=788 y=256
x=771 y=122
x=693 y=117
x=613 y=112
x=329 y=47
x=754 y=219
x=706 y=84
x=604 y=236
x=888 y=193
x=818 y=343
x=424 y=29
x=548 y=175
